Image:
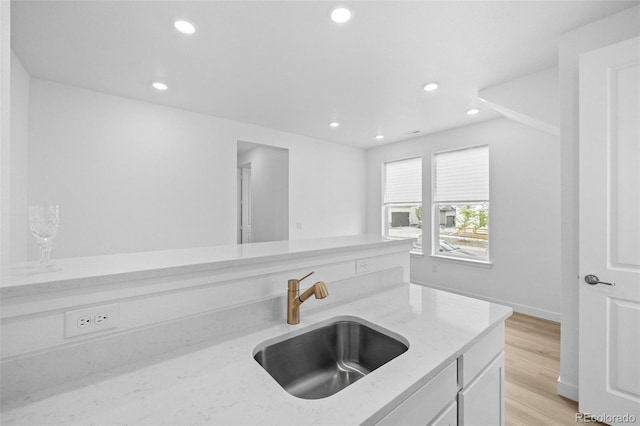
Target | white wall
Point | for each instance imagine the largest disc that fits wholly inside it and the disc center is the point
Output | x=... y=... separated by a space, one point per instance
x=20 y=234
x=524 y=215
x=134 y=176
x=618 y=27
x=269 y=193
x=530 y=100
x=5 y=117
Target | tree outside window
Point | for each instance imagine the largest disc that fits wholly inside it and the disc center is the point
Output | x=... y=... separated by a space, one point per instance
x=461 y=204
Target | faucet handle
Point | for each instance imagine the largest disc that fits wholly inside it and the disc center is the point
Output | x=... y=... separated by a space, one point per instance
x=309 y=274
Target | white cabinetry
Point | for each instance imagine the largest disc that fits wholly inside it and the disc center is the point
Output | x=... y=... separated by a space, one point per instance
x=427 y=402
x=448 y=417
x=469 y=391
x=482 y=402
x=481 y=379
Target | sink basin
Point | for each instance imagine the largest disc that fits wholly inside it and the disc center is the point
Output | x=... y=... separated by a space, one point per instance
x=322 y=361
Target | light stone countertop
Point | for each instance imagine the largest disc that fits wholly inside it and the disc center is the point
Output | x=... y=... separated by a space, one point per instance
x=21 y=279
x=220 y=383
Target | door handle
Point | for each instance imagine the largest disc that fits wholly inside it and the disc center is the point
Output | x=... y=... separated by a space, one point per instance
x=593 y=280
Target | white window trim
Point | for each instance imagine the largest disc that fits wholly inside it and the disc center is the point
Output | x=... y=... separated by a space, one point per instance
x=435 y=222
x=385 y=206
x=462 y=261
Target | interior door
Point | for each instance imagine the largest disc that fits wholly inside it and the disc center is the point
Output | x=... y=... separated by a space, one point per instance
x=609 y=346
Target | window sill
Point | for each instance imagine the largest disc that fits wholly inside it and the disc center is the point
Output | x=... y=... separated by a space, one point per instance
x=416 y=253
x=469 y=262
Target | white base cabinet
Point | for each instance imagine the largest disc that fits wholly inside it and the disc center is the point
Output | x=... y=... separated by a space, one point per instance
x=427 y=402
x=448 y=417
x=482 y=402
x=468 y=392
x=481 y=380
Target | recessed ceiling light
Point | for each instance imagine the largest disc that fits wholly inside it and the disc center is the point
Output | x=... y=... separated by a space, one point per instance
x=340 y=15
x=159 y=86
x=473 y=111
x=431 y=86
x=184 y=27
x=334 y=124
x=379 y=137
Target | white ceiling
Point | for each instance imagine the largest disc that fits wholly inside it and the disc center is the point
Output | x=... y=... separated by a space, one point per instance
x=287 y=66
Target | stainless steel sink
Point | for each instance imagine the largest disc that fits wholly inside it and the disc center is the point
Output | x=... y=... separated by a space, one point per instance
x=325 y=360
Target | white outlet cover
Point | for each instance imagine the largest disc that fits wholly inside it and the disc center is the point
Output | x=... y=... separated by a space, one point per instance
x=363 y=266
x=71 y=318
x=84 y=321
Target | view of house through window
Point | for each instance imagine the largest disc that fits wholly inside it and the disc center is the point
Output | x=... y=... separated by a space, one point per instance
x=461 y=203
x=463 y=230
x=403 y=200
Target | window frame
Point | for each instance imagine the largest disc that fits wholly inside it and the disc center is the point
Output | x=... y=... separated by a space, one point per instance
x=483 y=261
x=416 y=249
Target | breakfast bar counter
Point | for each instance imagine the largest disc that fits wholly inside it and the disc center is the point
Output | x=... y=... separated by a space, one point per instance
x=219 y=382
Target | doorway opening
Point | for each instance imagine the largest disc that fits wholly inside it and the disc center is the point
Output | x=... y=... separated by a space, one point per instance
x=245 y=203
x=263 y=193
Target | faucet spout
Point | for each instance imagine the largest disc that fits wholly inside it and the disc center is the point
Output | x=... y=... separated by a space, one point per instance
x=319 y=290
x=295 y=299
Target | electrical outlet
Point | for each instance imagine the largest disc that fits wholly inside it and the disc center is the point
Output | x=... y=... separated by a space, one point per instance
x=90 y=320
x=363 y=265
x=101 y=319
x=84 y=321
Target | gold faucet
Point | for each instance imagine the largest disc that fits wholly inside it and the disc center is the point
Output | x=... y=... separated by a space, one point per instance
x=295 y=299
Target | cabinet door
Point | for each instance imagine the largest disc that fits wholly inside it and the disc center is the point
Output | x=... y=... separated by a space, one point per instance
x=448 y=417
x=425 y=404
x=481 y=403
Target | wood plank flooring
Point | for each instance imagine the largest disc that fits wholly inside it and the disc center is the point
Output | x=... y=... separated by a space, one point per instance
x=532 y=359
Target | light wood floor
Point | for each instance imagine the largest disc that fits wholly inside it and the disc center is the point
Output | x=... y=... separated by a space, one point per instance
x=532 y=359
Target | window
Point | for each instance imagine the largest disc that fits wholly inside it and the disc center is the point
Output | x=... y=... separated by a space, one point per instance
x=403 y=200
x=461 y=204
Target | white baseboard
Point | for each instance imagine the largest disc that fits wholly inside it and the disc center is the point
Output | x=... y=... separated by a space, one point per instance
x=523 y=309
x=568 y=390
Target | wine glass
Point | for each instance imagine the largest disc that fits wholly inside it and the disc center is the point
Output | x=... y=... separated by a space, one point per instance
x=44 y=221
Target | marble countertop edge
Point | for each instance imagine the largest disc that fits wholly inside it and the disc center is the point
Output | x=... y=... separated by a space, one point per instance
x=72 y=273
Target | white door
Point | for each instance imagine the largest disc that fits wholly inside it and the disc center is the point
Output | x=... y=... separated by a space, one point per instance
x=609 y=382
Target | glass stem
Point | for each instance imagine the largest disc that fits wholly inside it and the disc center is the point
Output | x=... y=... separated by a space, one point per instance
x=45 y=254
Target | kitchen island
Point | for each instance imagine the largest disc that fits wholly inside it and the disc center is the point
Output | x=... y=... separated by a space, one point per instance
x=209 y=376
